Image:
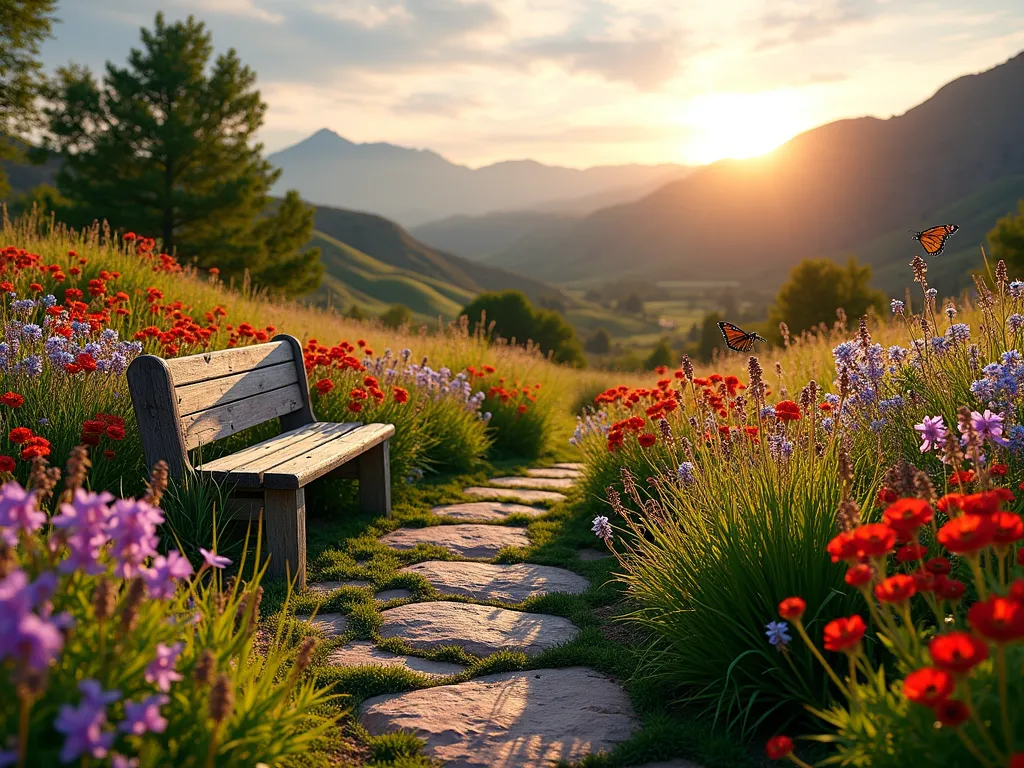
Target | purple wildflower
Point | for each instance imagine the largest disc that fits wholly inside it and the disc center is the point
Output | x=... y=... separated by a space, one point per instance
x=988 y=426
x=933 y=433
x=161 y=669
x=162 y=577
x=82 y=726
x=213 y=559
x=18 y=511
x=686 y=473
x=133 y=532
x=120 y=761
x=145 y=716
x=602 y=528
x=778 y=634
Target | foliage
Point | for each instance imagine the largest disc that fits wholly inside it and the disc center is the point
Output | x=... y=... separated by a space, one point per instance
x=598 y=343
x=710 y=336
x=817 y=288
x=632 y=305
x=396 y=316
x=661 y=356
x=24 y=24
x=114 y=649
x=162 y=148
x=509 y=315
x=1007 y=240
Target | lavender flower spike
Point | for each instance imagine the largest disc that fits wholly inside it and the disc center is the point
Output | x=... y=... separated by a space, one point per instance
x=602 y=528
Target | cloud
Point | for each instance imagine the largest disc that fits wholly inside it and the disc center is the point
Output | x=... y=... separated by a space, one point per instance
x=811 y=21
x=647 y=60
x=247 y=8
x=437 y=104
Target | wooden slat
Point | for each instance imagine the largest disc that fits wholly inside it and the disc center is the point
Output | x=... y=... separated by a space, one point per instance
x=212 y=365
x=253 y=452
x=225 y=420
x=248 y=473
x=229 y=389
x=298 y=472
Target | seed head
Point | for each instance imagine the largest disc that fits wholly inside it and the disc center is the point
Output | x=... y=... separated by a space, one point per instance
x=222 y=698
x=203 y=670
x=157 y=483
x=104 y=598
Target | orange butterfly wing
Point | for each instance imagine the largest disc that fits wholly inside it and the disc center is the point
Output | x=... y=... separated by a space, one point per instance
x=933 y=240
x=736 y=338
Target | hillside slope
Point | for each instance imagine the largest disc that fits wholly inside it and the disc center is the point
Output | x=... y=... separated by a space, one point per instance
x=414 y=186
x=827 y=191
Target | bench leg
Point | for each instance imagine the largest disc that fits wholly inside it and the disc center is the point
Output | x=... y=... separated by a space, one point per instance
x=375 y=480
x=284 y=515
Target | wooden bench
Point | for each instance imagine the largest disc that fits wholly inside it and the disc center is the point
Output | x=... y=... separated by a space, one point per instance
x=187 y=402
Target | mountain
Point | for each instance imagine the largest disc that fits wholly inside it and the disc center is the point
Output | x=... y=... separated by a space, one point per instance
x=488 y=235
x=831 y=190
x=389 y=244
x=414 y=186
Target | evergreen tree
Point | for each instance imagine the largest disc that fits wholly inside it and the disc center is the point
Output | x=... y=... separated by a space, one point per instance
x=599 y=342
x=1007 y=241
x=396 y=316
x=24 y=24
x=710 y=337
x=355 y=313
x=817 y=288
x=165 y=147
x=660 y=355
x=632 y=304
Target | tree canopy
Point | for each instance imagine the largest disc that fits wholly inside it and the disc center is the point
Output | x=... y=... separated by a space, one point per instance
x=1007 y=241
x=817 y=288
x=599 y=342
x=509 y=315
x=660 y=355
x=24 y=24
x=165 y=146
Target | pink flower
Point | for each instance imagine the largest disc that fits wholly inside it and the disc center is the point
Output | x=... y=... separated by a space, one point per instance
x=161 y=669
x=18 y=512
x=213 y=559
x=162 y=577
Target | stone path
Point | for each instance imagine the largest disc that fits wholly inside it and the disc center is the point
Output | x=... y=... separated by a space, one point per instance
x=525 y=719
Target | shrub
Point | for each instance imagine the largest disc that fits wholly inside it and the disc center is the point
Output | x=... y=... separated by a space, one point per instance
x=111 y=649
x=518 y=421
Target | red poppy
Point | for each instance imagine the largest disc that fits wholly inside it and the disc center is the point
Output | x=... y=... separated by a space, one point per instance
x=911 y=552
x=1017 y=760
x=1020 y=556
x=779 y=747
x=114 y=432
x=928 y=686
x=787 y=410
x=844 y=634
x=355 y=407
x=984 y=503
x=792 y=608
x=998 y=470
x=998 y=618
x=967 y=534
x=7 y=464
x=324 y=386
x=957 y=652
x=358 y=394
x=1017 y=590
x=962 y=476
x=874 y=540
x=1008 y=527
x=907 y=515
x=938 y=565
x=859 y=575
x=843 y=547
x=34 y=447
x=108 y=454
x=401 y=395
x=923 y=581
x=952 y=713
x=896 y=589
x=885 y=495
x=12 y=400
x=19 y=435
x=646 y=440
x=949 y=589
x=950 y=503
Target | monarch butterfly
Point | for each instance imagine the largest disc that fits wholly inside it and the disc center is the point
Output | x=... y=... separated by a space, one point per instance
x=737 y=339
x=933 y=240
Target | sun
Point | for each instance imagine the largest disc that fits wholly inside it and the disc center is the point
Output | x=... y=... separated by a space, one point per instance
x=741 y=125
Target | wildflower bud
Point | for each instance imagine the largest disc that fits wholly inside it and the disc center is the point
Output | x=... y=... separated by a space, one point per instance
x=687 y=366
x=755 y=372
x=924 y=487
x=220 y=602
x=157 y=483
x=203 y=670
x=975 y=355
x=130 y=605
x=840 y=319
x=652 y=508
x=920 y=268
x=844 y=384
x=629 y=485
x=42 y=479
x=76 y=470
x=805 y=399
x=615 y=501
x=222 y=698
x=848 y=516
x=666 y=431
x=845 y=462
x=694 y=422
x=865 y=336
x=104 y=598
x=985 y=300
x=305 y=655
x=1001 y=276
x=784 y=330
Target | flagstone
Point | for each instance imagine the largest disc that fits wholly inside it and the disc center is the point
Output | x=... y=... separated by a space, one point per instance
x=475 y=541
x=333 y=624
x=502 y=583
x=539 y=483
x=486 y=510
x=555 y=472
x=360 y=653
x=520 y=494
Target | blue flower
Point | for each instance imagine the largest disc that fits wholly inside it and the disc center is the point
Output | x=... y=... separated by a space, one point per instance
x=686 y=473
x=778 y=634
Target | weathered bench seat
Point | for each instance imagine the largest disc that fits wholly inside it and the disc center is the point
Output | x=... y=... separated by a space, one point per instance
x=185 y=403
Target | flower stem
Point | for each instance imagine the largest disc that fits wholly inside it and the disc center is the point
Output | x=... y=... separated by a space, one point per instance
x=821 y=659
x=26 y=706
x=1004 y=709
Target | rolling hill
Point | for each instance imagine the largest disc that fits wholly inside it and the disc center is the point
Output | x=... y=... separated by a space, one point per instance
x=833 y=190
x=414 y=186
x=487 y=236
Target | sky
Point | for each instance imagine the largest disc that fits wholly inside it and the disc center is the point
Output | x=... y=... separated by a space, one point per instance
x=572 y=82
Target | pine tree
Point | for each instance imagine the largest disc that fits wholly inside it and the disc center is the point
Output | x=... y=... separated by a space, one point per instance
x=165 y=147
x=24 y=24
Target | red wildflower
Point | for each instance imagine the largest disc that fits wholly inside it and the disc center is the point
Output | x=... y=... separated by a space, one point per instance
x=911 y=552
x=522 y=409
x=967 y=534
x=19 y=435
x=886 y=496
x=949 y=589
x=401 y=395
x=6 y=464
x=874 y=539
x=12 y=400
x=792 y=608
x=923 y=581
x=957 y=652
x=370 y=381
x=950 y=503
x=938 y=565
x=35 y=446
x=646 y=440
x=324 y=386
x=928 y=686
x=962 y=476
x=952 y=713
x=108 y=454
x=115 y=432
x=984 y=503
x=859 y=575
x=7 y=286
x=1008 y=528
x=998 y=470
x=358 y=394
x=355 y=407
x=907 y=515
x=843 y=547
x=896 y=589
x=999 y=619
x=844 y=634
x=779 y=747
x=787 y=410
x=1017 y=590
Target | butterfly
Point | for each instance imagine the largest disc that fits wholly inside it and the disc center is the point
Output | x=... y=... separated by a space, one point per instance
x=737 y=339
x=933 y=240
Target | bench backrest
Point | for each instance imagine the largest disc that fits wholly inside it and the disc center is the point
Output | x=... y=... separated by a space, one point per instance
x=186 y=402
